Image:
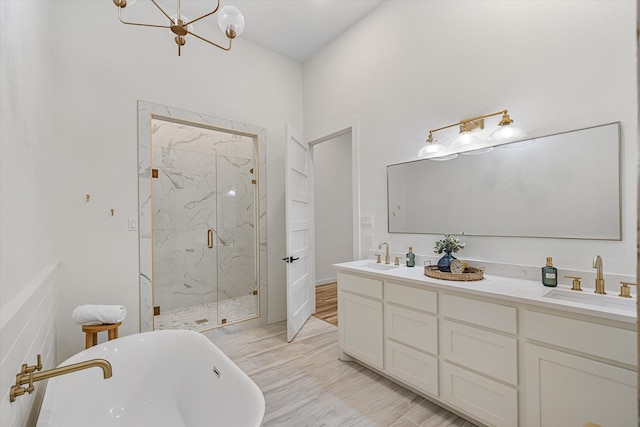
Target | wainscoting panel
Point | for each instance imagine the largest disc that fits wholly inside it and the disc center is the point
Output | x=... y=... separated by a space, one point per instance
x=27 y=328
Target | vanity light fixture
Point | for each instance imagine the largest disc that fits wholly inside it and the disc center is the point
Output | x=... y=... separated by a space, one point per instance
x=230 y=21
x=467 y=137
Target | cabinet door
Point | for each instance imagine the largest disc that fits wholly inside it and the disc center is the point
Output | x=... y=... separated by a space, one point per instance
x=411 y=366
x=360 y=328
x=412 y=328
x=486 y=352
x=489 y=401
x=568 y=390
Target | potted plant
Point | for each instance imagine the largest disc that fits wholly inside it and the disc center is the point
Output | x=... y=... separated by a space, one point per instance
x=448 y=245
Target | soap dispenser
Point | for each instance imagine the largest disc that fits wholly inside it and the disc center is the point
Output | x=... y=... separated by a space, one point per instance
x=549 y=274
x=411 y=258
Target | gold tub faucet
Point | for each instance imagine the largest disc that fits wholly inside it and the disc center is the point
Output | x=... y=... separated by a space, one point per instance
x=597 y=264
x=28 y=374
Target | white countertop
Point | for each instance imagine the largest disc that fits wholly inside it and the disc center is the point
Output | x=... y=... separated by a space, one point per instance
x=507 y=289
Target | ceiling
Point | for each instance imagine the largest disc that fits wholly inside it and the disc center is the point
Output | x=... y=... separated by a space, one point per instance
x=294 y=28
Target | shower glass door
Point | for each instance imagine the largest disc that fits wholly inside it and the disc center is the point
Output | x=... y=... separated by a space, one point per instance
x=236 y=239
x=203 y=225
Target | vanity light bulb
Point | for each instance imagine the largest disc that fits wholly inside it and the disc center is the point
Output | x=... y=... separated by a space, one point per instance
x=507 y=133
x=429 y=149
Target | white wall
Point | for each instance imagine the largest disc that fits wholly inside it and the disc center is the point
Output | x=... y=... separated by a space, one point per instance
x=555 y=66
x=101 y=69
x=28 y=252
x=333 y=206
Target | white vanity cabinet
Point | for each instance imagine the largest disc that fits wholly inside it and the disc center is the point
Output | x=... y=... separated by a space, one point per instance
x=578 y=371
x=499 y=361
x=360 y=322
x=479 y=359
x=411 y=336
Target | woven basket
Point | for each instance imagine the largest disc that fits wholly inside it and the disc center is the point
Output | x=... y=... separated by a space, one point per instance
x=470 y=274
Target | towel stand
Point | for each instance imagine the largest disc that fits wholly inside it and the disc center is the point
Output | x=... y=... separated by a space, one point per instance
x=92 y=332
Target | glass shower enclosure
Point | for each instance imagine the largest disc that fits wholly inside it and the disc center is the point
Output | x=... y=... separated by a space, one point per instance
x=204 y=233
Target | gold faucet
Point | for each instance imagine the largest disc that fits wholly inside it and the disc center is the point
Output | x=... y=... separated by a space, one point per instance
x=387 y=258
x=597 y=264
x=28 y=375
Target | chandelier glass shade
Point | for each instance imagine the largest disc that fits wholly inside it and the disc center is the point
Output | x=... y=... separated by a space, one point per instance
x=230 y=21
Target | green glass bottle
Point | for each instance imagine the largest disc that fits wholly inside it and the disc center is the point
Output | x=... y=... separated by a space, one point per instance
x=411 y=258
x=549 y=274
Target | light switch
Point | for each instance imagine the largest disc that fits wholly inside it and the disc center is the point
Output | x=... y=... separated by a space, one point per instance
x=133 y=224
x=366 y=221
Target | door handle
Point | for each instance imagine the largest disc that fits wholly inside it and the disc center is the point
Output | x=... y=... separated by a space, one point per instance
x=289 y=259
x=210 y=238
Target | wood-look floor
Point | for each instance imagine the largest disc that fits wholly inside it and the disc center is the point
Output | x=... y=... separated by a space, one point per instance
x=327 y=303
x=304 y=383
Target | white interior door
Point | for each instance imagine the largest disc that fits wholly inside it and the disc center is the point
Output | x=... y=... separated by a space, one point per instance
x=299 y=259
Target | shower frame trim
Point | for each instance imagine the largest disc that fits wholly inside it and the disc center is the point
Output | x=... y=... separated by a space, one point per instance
x=148 y=111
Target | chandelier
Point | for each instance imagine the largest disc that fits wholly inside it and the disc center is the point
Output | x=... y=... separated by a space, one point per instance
x=230 y=21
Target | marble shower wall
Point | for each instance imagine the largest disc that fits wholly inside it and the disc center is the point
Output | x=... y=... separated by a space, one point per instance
x=205 y=180
x=184 y=209
x=200 y=187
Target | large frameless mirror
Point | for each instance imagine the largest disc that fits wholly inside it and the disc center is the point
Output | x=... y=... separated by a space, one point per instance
x=565 y=185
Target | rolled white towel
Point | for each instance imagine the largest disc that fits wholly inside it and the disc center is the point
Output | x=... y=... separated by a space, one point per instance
x=97 y=314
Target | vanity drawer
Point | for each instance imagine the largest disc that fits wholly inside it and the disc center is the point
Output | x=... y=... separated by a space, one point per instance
x=487 y=352
x=586 y=337
x=481 y=313
x=412 y=367
x=360 y=285
x=413 y=328
x=420 y=299
x=490 y=402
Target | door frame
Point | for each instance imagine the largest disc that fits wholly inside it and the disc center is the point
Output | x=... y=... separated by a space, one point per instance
x=337 y=129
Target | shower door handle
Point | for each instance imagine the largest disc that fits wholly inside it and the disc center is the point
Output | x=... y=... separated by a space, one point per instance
x=210 y=238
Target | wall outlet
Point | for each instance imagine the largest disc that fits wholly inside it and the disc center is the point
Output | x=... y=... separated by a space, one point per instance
x=366 y=221
x=369 y=240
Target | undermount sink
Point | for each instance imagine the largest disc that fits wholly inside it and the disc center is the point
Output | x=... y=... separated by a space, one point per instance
x=611 y=301
x=376 y=266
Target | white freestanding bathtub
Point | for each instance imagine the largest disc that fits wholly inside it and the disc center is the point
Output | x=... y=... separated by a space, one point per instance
x=161 y=378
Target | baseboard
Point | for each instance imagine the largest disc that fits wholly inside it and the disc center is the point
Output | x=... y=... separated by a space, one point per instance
x=276 y=318
x=326 y=281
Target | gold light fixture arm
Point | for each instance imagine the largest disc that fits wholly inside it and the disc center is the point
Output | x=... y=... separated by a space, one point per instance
x=204 y=16
x=210 y=42
x=473 y=123
x=181 y=28
x=165 y=13
x=136 y=23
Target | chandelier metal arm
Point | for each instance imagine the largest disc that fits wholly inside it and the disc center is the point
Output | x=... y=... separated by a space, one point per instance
x=210 y=42
x=139 y=24
x=204 y=16
x=165 y=13
x=233 y=20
